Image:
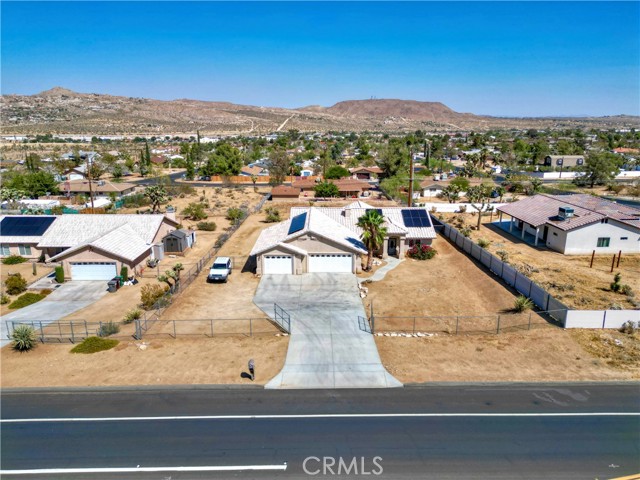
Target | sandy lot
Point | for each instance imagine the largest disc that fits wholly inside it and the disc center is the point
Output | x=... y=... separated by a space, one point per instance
x=26 y=270
x=549 y=354
x=164 y=361
x=567 y=277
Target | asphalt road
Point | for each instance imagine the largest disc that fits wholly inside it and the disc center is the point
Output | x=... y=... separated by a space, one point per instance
x=575 y=431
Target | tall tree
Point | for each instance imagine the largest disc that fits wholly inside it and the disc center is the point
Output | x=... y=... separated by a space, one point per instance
x=599 y=168
x=225 y=161
x=373 y=233
x=278 y=166
x=156 y=194
x=326 y=190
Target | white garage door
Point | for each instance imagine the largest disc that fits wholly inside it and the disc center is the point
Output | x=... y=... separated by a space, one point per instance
x=330 y=262
x=93 y=271
x=278 y=264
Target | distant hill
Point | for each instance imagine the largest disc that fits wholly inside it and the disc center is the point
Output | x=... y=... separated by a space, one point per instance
x=63 y=111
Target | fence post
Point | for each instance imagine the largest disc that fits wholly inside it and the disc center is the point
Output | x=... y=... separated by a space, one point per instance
x=86 y=331
x=41 y=332
x=59 y=330
x=211 y=327
x=529 y=320
x=498 y=329
x=73 y=337
x=174 y=329
x=457 y=320
x=414 y=325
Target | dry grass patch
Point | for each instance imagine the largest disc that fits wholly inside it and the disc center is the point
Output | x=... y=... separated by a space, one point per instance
x=618 y=350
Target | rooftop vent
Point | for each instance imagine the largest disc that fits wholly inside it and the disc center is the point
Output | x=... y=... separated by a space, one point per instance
x=565 y=212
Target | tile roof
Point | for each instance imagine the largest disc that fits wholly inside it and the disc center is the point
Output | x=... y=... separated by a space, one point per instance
x=71 y=230
x=83 y=186
x=122 y=241
x=285 y=190
x=542 y=209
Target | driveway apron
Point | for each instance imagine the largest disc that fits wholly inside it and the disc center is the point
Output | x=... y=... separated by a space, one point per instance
x=63 y=301
x=328 y=347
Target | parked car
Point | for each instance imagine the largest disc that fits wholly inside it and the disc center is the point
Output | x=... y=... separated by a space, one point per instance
x=220 y=270
x=205 y=177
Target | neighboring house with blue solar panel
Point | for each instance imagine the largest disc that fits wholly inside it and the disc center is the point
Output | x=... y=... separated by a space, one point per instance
x=326 y=239
x=21 y=234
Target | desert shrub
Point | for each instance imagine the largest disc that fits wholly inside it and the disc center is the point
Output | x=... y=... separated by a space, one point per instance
x=94 y=344
x=23 y=338
x=629 y=327
x=207 y=226
x=15 y=284
x=135 y=200
x=504 y=255
x=273 y=215
x=124 y=273
x=25 y=300
x=615 y=188
x=235 y=215
x=195 y=211
x=60 y=274
x=421 y=252
x=616 y=285
x=483 y=243
x=132 y=315
x=522 y=304
x=4 y=299
x=13 y=260
x=150 y=294
x=462 y=208
x=627 y=290
x=466 y=232
x=109 y=328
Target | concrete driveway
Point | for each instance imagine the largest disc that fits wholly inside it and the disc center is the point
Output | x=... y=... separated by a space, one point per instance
x=327 y=347
x=66 y=299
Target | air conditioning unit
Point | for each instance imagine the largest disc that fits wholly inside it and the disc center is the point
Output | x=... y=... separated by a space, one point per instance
x=565 y=212
x=100 y=183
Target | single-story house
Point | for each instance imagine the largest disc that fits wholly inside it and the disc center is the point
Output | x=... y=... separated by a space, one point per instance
x=575 y=224
x=432 y=188
x=158 y=160
x=96 y=247
x=327 y=239
x=563 y=160
x=350 y=187
x=178 y=241
x=365 y=173
x=250 y=170
x=100 y=188
x=20 y=234
x=284 y=192
x=305 y=185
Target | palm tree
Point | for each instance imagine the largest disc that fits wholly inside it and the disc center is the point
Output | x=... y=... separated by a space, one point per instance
x=373 y=233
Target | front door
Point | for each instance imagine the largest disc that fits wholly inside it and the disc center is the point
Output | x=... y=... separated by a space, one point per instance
x=393 y=247
x=545 y=233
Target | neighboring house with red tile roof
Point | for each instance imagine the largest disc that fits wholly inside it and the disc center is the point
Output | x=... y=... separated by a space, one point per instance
x=284 y=192
x=576 y=224
x=365 y=173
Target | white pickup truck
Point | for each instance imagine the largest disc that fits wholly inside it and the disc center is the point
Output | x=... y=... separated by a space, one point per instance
x=220 y=270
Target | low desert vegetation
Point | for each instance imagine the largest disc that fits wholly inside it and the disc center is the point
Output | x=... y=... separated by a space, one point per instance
x=26 y=299
x=15 y=284
x=150 y=294
x=107 y=329
x=207 y=226
x=484 y=243
x=94 y=344
x=132 y=315
x=272 y=215
x=23 y=338
x=522 y=304
x=422 y=252
x=235 y=215
x=13 y=260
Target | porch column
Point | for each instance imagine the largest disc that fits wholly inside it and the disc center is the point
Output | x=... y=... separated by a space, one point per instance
x=537 y=233
x=500 y=216
x=511 y=225
x=385 y=248
x=524 y=226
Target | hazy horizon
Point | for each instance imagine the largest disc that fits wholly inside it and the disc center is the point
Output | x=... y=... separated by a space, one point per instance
x=503 y=59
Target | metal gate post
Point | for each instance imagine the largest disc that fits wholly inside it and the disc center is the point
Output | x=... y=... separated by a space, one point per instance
x=73 y=337
x=498 y=329
x=41 y=332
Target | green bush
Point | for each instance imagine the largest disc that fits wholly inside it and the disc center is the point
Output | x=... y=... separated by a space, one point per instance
x=60 y=274
x=483 y=242
x=124 y=273
x=15 y=284
x=522 y=304
x=195 y=211
x=13 y=260
x=626 y=290
x=150 y=294
x=421 y=252
x=132 y=315
x=23 y=338
x=234 y=215
x=109 y=328
x=629 y=327
x=207 y=226
x=273 y=215
x=4 y=299
x=504 y=255
x=25 y=300
x=94 y=344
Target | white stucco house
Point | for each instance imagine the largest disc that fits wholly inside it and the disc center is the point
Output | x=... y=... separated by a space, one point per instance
x=575 y=224
x=327 y=239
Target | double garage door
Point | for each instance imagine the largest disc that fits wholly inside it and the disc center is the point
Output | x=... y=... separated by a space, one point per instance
x=330 y=262
x=93 y=271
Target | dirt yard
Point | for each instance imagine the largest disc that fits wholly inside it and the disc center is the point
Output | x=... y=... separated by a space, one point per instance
x=539 y=355
x=164 y=361
x=567 y=277
x=26 y=270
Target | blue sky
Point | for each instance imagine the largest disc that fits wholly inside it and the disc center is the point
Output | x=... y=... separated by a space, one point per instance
x=497 y=58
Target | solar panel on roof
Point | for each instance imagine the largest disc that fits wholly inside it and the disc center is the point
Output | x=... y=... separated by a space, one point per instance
x=33 y=226
x=415 y=218
x=297 y=223
x=379 y=210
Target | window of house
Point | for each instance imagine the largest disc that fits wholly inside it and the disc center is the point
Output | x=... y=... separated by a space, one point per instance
x=555 y=234
x=603 y=241
x=4 y=250
x=624 y=238
x=24 y=249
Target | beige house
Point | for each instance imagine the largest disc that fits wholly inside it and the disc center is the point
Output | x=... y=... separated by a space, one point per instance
x=100 y=188
x=326 y=239
x=96 y=247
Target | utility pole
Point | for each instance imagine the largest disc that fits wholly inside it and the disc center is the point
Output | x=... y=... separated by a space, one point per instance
x=90 y=186
x=410 y=200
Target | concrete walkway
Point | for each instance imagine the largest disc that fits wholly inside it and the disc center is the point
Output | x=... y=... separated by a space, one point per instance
x=392 y=262
x=66 y=299
x=328 y=348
